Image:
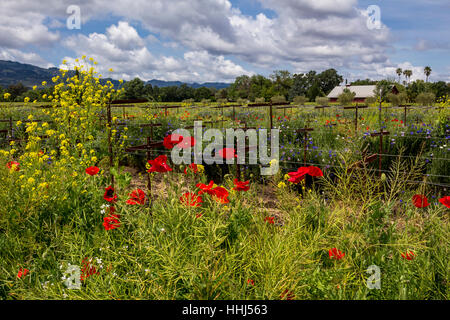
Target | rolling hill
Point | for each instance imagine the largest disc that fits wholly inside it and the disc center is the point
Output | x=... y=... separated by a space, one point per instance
x=13 y=72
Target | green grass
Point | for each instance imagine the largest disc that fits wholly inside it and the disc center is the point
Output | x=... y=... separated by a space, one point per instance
x=171 y=254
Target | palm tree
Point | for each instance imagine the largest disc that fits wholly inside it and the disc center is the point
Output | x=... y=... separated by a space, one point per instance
x=427 y=70
x=399 y=73
x=408 y=74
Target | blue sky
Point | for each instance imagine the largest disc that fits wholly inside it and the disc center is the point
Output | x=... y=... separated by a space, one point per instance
x=218 y=40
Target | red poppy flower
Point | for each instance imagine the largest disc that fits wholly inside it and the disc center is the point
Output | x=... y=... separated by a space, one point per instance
x=22 y=273
x=186 y=142
x=172 y=140
x=111 y=222
x=269 y=220
x=227 y=153
x=445 y=201
x=336 y=254
x=206 y=188
x=13 y=165
x=315 y=171
x=409 y=255
x=251 y=282
x=299 y=175
x=221 y=195
x=420 y=201
x=289 y=295
x=191 y=200
x=109 y=195
x=192 y=167
x=159 y=164
x=87 y=270
x=241 y=185
x=136 y=197
x=92 y=171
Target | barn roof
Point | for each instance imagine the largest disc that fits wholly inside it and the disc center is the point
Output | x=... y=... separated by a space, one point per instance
x=361 y=91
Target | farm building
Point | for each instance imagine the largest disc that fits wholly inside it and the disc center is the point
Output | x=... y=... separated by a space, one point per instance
x=362 y=92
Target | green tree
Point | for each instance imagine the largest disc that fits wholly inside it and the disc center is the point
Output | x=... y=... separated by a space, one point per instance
x=302 y=83
x=184 y=92
x=440 y=89
x=417 y=87
x=366 y=82
x=259 y=87
x=397 y=99
x=399 y=72
x=383 y=88
x=427 y=71
x=240 y=88
x=282 y=82
x=202 y=93
x=16 y=90
x=408 y=74
x=148 y=92
x=425 y=98
x=314 y=91
x=134 y=89
x=221 y=94
x=328 y=80
x=346 y=97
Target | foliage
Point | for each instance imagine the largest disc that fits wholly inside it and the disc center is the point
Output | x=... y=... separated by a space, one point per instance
x=271 y=242
x=322 y=101
x=300 y=100
x=426 y=98
x=346 y=97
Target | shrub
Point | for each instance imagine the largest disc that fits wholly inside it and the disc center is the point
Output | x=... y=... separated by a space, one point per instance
x=300 y=100
x=397 y=99
x=278 y=99
x=242 y=101
x=322 y=101
x=370 y=100
x=346 y=97
x=426 y=98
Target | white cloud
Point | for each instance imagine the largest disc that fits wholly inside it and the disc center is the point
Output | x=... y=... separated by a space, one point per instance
x=129 y=58
x=124 y=36
x=24 y=57
x=304 y=34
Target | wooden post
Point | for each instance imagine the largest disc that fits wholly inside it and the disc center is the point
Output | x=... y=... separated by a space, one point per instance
x=149 y=180
x=271 y=120
x=305 y=142
x=148 y=149
x=404 y=116
x=356 y=114
x=110 y=150
x=380 y=134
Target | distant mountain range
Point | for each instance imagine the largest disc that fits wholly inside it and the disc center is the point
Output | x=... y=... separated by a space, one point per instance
x=195 y=85
x=14 y=72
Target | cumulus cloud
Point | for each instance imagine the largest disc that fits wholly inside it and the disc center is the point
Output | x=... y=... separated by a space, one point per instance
x=302 y=34
x=130 y=58
x=300 y=30
x=24 y=57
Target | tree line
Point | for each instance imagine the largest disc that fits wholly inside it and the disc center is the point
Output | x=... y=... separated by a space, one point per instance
x=281 y=85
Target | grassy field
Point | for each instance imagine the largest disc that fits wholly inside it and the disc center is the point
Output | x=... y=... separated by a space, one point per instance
x=315 y=239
